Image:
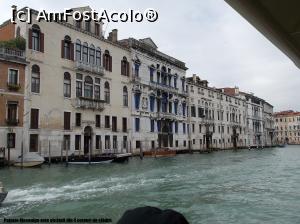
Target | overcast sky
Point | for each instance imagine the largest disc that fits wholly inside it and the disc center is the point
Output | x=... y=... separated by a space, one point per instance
x=212 y=39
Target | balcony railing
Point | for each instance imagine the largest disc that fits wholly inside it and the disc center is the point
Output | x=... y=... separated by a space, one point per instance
x=97 y=69
x=14 y=54
x=88 y=103
x=12 y=122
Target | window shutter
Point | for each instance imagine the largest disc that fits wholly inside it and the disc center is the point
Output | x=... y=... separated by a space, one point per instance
x=72 y=51
x=42 y=42
x=62 y=49
x=110 y=63
x=30 y=39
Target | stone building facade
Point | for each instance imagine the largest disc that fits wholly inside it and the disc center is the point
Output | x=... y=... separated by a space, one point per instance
x=82 y=92
x=287 y=127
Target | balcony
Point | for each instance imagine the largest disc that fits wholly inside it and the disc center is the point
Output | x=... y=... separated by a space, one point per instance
x=12 y=54
x=12 y=122
x=87 y=103
x=96 y=69
x=163 y=87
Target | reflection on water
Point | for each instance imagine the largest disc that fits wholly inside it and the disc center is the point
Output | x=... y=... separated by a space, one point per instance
x=258 y=186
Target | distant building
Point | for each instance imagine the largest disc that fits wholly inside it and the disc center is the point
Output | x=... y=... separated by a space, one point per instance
x=287 y=127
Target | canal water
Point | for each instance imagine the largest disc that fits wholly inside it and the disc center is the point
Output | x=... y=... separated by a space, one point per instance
x=257 y=186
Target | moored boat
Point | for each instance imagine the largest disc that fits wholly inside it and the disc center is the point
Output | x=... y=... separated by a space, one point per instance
x=30 y=159
x=121 y=157
x=93 y=160
x=281 y=145
x=3 y=193
x=160 y=152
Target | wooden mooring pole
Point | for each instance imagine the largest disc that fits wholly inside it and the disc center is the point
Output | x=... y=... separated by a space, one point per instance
x=22 y=155
x=49 y=153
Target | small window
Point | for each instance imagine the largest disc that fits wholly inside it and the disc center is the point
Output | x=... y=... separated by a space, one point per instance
x=67 y=84
x=35 y=79
x=34 y=119
x=78 y=119
x=67 y=120
x=13 y=77
x=125 y=97
x=98 y=121
x=11 y=140
x=33 y=143
x=77 y=142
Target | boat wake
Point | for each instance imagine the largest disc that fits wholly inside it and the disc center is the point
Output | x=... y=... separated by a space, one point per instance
x=22 y=199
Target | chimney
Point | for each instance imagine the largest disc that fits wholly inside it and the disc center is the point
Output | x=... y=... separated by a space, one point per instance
x=194 y=78
x=109 y=36
x=114 y=36
x=236 y=90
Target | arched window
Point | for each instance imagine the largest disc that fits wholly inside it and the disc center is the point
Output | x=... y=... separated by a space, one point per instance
x=125 y=67
x=85 y=52
x=107 y=61
x=98 y=56
x=88 y=87
x=137 y=64
x=92 y=54
x=67 y=52
x=35 y=79
x=67 y=84
x=78 y=50
x=125 y=96
x=36 y=38
x=106 y=92
x=97 y=89
x=152 y=69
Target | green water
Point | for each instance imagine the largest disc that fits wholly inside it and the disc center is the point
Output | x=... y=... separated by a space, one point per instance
x=258 y=186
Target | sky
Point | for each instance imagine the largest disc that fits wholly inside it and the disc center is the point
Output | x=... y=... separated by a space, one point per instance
x=213 y=40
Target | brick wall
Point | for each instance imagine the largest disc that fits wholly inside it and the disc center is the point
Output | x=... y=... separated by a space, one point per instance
x=7 y=32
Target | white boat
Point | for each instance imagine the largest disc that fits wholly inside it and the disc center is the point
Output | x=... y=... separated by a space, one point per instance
x=3 y=193
x=30 y=159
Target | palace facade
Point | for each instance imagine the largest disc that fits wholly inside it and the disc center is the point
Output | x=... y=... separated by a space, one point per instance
x=79 y=91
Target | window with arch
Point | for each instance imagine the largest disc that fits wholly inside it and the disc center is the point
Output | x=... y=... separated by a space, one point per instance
x=137 y=65
x=106 y=92
x=36 y=39
x=85 y=50
x=67 y=84
x=78 y=50
x=124 y=67
x=125 y=96
x=97 y=89
x=98 y=56
x=67 y=48
x=88 y=87
x=107 y=61
x=92 y=54
x=35 y=79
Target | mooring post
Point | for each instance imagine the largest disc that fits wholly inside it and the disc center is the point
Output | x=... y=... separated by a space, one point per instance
x=141 y=151
x=61 y=152
x=49 y=153
x=8 y=155
x=22 y=155
x=67 y=156
x=90 y=151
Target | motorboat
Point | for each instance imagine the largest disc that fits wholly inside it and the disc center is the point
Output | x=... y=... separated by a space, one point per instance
x=160 y=152
x=85 y=160
x=121 y=157
x=3 y=193
x=30 y=159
